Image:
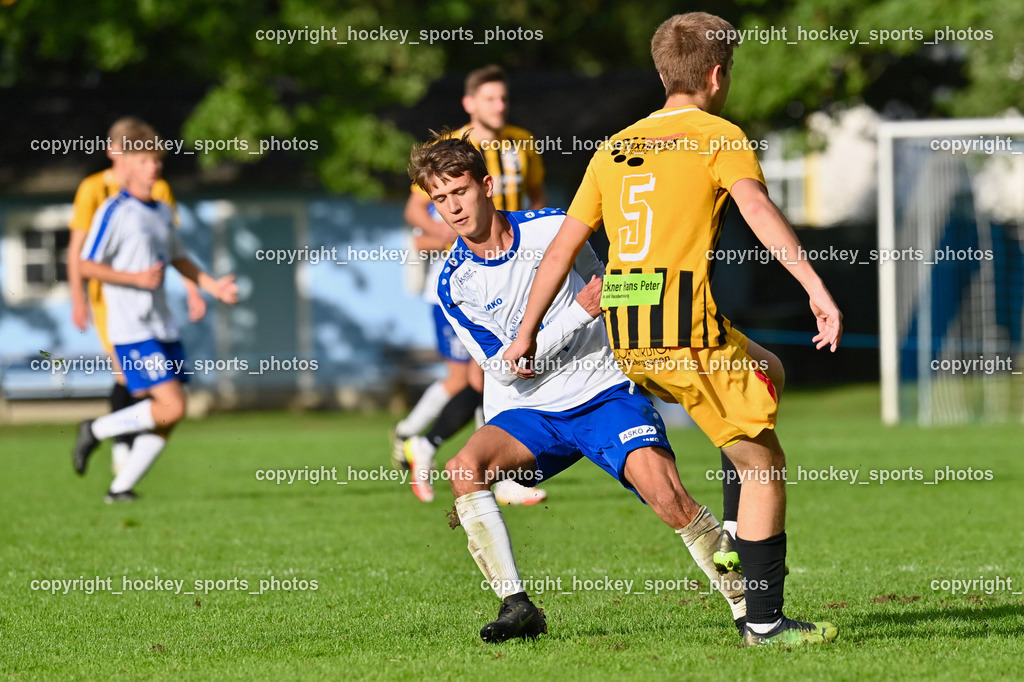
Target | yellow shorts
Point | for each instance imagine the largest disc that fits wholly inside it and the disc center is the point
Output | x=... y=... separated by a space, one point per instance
x=99 y=314
x=725 y=390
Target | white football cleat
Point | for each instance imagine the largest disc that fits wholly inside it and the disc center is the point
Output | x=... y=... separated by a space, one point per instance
x=507 y=491
x=419 y=453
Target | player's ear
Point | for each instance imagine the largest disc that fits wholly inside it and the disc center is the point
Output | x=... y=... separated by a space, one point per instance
x=467 y=104
x=715 y=78
x=488 y=184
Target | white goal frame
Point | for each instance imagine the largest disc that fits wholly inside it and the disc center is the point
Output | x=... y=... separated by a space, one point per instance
x=888 y=133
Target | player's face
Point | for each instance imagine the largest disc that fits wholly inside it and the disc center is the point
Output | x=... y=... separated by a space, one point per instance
x=142 y=169
x=463 y=203
x=487 y=106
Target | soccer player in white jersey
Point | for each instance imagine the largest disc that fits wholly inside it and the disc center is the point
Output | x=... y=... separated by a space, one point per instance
x=580 y=404
x=131 y=241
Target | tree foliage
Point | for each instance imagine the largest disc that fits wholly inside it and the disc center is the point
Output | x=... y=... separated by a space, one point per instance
x=331 y=93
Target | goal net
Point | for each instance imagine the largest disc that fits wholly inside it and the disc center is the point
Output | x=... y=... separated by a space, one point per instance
x=951 y=270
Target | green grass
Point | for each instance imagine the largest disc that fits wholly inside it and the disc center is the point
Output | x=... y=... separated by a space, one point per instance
x=399 y=597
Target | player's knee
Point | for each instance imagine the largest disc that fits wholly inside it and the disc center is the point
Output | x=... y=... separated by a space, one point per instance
x=170 y=413
x=462 y=470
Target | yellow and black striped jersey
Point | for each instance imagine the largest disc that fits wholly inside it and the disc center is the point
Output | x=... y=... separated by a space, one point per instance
x=661 y=189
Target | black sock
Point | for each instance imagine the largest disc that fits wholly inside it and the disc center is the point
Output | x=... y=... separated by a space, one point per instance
x=456 y=413
x=121 y=398
x=764 y=576
x=730 y=490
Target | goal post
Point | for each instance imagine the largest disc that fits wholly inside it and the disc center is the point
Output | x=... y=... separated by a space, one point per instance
x=951 y=270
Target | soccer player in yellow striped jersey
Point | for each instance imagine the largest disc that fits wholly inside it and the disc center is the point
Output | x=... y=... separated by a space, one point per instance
x=518 y=171
x=660 y=188
x=92 y=192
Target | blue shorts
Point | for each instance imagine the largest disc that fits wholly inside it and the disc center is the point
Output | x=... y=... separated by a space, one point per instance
x=605 y=430
x=148 y=363
x=448 y=343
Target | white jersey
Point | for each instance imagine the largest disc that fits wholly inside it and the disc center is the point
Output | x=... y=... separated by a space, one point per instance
x=485 y=299
x=132 y=235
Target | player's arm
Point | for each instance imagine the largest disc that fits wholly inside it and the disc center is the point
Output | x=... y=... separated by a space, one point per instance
x=150 y=278
x=551 y=273
x=79 y=308
x=487 y=343
x=82 y=214
x=196 y=303
x=776 y=234
x=222 y=288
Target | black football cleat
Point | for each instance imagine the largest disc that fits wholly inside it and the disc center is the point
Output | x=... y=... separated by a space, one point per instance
x=125 y=496
x=84 y=446
x=517 y=618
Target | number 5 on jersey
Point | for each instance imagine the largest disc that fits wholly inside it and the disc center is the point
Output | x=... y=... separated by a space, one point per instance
x=635 y=237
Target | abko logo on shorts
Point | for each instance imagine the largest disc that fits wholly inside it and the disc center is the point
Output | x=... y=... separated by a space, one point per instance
x=637 y=431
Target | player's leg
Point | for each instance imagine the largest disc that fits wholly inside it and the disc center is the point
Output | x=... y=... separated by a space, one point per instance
x=168 y=408
x=438 y=394
x=652 y=472
x=460 y=410
x=120 y=396
x=490 y=454
x=726 y=557
x=761 y=544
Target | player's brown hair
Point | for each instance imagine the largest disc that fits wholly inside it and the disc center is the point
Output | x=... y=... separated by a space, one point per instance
x=487 y=74
x=445 y=156
x=684 y=54
x=133 y=130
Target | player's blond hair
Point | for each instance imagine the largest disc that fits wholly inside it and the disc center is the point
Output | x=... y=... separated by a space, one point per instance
x=687 y=47
x=132 y=130
x=486 y=74
x=445 y=156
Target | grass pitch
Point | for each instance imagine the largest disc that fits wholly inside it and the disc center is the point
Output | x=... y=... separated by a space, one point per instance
x=397 y=595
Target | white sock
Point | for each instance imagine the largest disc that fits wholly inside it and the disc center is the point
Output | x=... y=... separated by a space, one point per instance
x=489 y=542
x=425 y=411
x=763 y=628
x=118 y=456
x=701 y=536
x=131 y=419
x=730 y=526
x=145 y=450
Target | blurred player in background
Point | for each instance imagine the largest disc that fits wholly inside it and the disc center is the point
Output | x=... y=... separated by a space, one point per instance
x=579 y=405
x=513 y=162
x=131 y=240
x=92 y=192
x=660 y=188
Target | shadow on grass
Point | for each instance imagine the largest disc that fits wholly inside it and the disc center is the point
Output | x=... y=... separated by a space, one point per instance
x=964 y=622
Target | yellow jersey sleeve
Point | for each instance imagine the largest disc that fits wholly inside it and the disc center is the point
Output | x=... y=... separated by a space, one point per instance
x=90 y=194
x=733 y=159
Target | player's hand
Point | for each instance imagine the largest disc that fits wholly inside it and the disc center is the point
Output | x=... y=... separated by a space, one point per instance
x=519 y=356
x=590 y=296
x=196 y=306
x=150 y=278
x=829 y=319
x=226 y=290
x=80 y=315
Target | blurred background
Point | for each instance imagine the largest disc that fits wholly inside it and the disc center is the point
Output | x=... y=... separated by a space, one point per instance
x=338 y=112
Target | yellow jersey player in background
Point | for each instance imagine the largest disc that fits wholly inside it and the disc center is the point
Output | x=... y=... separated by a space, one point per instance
x=660 y=188
x=92 y=192
x=518 y=171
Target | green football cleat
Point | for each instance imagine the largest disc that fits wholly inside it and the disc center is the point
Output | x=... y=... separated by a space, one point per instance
x=791 y=633
x=726 y=559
